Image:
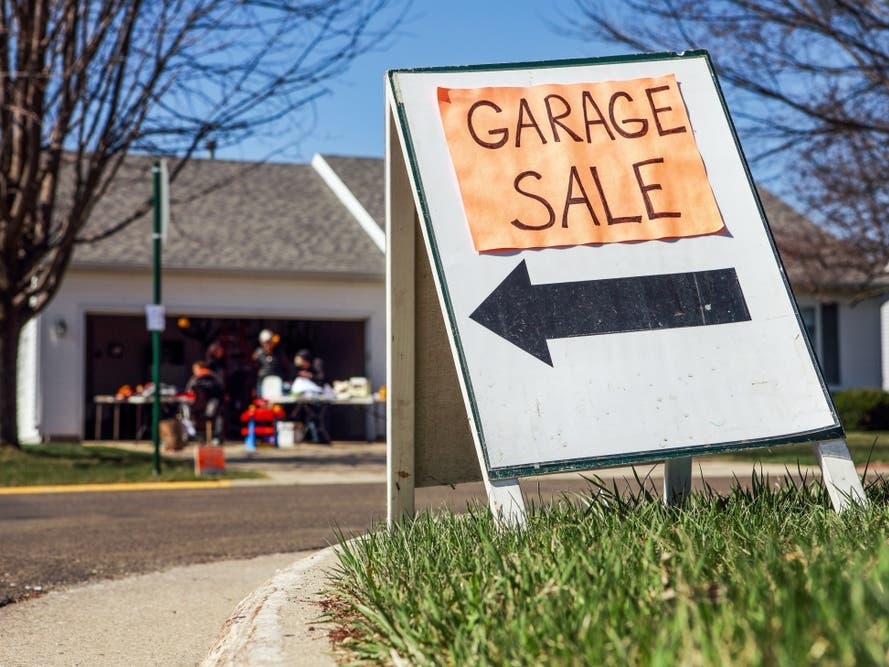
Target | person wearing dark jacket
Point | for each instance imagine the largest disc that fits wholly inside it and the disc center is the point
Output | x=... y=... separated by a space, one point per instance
x=314 y=415
x=269 y=359
x=209 y=395
x=309 y=367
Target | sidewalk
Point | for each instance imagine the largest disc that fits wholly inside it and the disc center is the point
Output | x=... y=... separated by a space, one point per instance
x=305 y=463
x=278 y=623
x=166 y=618
x=365 y=462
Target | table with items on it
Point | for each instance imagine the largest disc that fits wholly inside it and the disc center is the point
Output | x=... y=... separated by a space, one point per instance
x=126 y=397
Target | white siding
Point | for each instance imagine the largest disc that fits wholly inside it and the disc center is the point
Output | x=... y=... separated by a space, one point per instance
x=884 y=339
x=862 y=339
x=860 y=345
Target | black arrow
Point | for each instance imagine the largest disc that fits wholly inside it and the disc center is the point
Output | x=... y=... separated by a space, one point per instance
x=527 y=315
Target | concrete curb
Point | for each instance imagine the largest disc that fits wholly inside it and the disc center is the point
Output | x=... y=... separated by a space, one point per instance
x=115 y=486
x=273 y=625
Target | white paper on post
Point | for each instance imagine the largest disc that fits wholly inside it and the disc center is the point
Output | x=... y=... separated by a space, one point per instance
x=155 y=317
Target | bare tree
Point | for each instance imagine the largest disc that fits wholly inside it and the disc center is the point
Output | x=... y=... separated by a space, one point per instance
x=808 y=82
x=84 y=82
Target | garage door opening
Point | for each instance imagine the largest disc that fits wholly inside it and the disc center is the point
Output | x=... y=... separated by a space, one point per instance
x=118 y=354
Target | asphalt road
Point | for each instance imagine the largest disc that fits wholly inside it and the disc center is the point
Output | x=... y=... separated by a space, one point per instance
x=51 y=540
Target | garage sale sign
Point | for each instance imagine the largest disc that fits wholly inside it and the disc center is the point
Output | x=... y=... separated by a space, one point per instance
x=582 y=163
x=609 y=285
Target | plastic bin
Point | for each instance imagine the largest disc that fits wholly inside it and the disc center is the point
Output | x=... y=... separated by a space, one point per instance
x=286 y=434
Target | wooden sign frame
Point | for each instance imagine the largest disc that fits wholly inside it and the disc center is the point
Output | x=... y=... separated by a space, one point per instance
x=433 y=435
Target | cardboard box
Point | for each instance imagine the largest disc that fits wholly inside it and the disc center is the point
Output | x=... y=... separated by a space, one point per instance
x=209 y=460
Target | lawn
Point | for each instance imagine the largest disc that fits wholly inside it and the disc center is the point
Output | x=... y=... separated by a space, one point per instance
x=762 y=576
x=80 y=464
x=864 y=446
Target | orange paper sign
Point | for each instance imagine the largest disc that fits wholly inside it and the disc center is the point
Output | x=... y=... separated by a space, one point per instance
x=561 y=165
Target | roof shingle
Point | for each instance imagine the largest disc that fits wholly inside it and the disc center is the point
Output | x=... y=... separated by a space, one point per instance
x=366 y=178
x=234 y=216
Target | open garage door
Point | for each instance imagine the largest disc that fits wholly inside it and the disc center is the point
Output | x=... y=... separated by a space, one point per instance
x=118 y=353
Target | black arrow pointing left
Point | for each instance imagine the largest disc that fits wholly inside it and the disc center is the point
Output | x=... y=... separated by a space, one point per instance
x=527 y=315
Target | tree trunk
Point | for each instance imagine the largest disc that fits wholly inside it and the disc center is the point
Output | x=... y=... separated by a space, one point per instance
x=10 y=330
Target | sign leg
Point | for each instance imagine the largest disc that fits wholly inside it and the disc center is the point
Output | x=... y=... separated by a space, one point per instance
x=677 y=480
x=400 y=366
x=839 y=474
x=506 y=501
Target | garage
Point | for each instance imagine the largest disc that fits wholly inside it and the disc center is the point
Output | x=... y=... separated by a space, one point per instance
x=119 y=355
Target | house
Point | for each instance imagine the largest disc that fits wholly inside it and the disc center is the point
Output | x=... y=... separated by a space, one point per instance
x=297 y=248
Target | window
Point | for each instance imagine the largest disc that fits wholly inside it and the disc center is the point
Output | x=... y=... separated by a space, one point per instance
x=821 y=322
x=807 y=315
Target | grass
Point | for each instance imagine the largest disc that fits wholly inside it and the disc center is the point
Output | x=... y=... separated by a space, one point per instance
x=764 y=576
x=864 y=446
x=79 y=464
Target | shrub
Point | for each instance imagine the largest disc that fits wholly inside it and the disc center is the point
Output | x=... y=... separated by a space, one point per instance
x=863 y=409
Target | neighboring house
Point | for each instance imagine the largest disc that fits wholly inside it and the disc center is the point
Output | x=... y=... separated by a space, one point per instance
x=849 y=333
x=298 y=248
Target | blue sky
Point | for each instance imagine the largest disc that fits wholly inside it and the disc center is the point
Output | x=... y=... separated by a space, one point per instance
x=350 y=120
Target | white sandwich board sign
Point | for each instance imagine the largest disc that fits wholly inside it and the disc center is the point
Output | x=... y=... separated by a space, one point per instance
x=610 y=289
